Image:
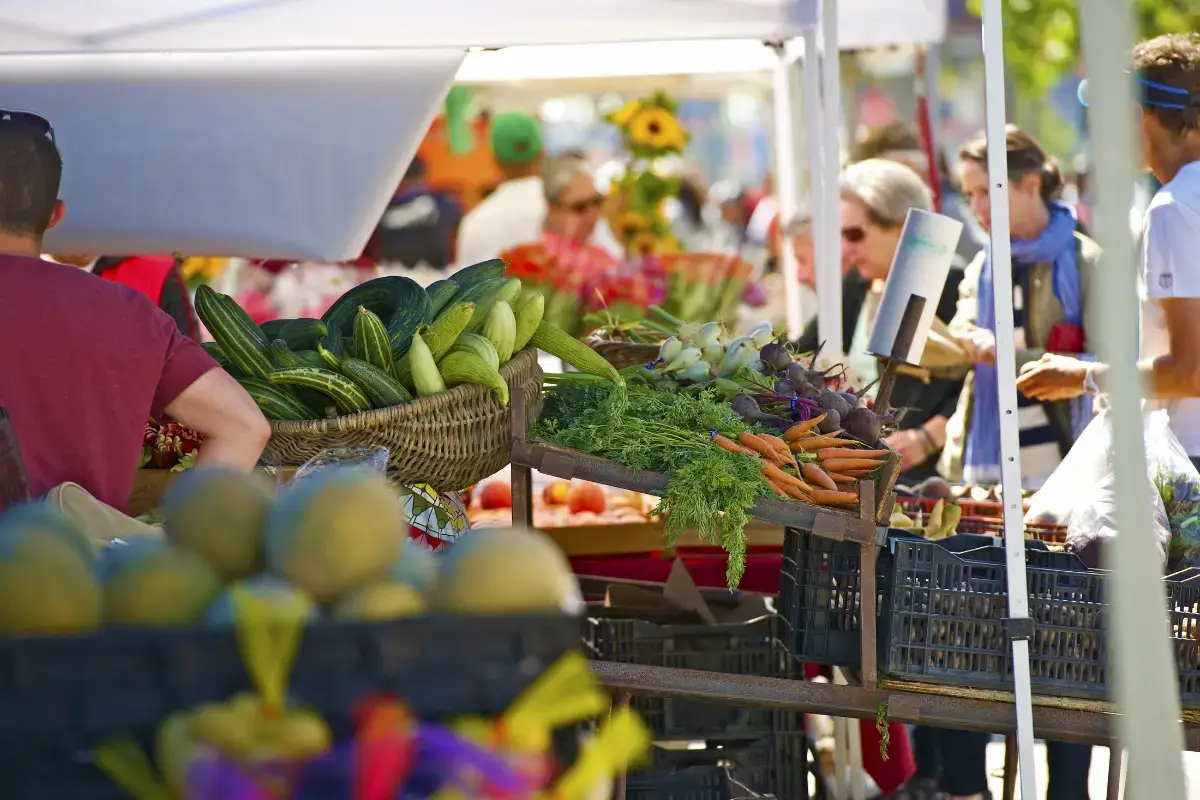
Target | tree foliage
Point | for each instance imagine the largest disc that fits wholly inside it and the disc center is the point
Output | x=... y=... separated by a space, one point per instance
x=1041 y=37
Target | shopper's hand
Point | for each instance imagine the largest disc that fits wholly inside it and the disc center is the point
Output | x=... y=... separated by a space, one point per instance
x=980 y=345
x=907 y=444
x=1052 y=377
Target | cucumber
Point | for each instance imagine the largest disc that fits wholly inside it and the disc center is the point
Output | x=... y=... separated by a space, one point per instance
x=273 y=401
x=411 y=313
x=330 y=359
x=477 y=273
x=426 y=377
x=242 y=342
x=480 y=346
x=398 y=300
x=529 y=315
x=465 y=367
x=440 y=294
x=383 y=389
x=440 y=337
x=282 y=356
x=273 y=327
x=562 y=345
x=301 y=334
x=346 y=395
x=337 y=344
x=218 y=355
x=371 y=341
x=485 y=295
x=311 y=358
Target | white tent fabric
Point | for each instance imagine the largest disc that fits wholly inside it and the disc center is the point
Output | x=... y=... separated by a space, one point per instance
x=279 y=155
x=154 y=25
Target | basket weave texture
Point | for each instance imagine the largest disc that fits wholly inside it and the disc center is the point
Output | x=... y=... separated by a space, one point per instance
x=624 y=354
x=451 y=440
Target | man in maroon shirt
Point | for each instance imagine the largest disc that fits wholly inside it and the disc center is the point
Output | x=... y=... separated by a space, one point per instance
x=83 y=362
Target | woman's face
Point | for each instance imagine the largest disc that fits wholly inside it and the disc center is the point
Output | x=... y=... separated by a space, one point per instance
x=866 y=245
x=576 y=211
x=802 y=247
x=1024 y=196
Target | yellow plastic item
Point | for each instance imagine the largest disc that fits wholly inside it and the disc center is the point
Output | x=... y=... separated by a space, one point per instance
x=127 y=765
x=623 y=740
x=269 y=638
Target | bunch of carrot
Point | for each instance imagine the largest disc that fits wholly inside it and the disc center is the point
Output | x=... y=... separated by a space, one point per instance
x=826 y=467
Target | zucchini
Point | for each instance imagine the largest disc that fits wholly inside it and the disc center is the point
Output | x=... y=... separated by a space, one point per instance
x=273 y=401
x=440 y=294
x=464 y=367
x=331 y=359
x=529 y=316
x=273 y=327
x=487 y=294
x=242 y=342
x=563 y=345
x=384 y=296
x=481 y=346
x=500 y=328
x=336 y=344
x=345 y=394
x=311 y=358
x=282 y=356
x=218 y=355
x=426 y=378
x=411 y=313
x=301 y=334
x=371 y=341
x=439 y=338
x=477 y=273
x=384 y=390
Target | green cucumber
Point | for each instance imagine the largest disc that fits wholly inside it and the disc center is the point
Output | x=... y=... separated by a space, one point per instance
x=274 y=401
x=218 y=355
x=440 y=294
x=371 y=340
x=282 y=356
x=242 y=342
x=273 y=327
x=345 y=394
x=392 y=298
x=311 y=358
x=384 y=390
x=301 y=334
x=331 y=359
x=336 y=344
x=477 y=273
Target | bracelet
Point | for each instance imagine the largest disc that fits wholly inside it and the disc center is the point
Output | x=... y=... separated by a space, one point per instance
x=925 y=442
x=1089 y=381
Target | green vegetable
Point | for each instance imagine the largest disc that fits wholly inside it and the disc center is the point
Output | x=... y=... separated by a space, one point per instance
x=465 y=367
x=710 y=489
x=440 y=294
x=240 y=338
x=299 y=334
x=562 y=345
x=500 y=328
x=381 y=387
x=282 y=356
x=476 y=273
x=530 y=312
x=346 y=394
x=439 y=338
x=275 y=401
x=371 y=340
x=426 y=378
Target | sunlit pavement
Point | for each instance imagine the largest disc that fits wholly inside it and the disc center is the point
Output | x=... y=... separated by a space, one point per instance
x=1097 y=778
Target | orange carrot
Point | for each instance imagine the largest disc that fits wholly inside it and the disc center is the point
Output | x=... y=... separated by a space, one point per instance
x=726 y=444
x=796 y=493
x=760 y=446
x=837 y=477
x=774 y=486
x=816 y=476
x=802 y=428
x=845 y=452
x=782 y=478
x=814 y=443
x=839 y=464
x=857 y=473
x=781 y=447
x=826 y=497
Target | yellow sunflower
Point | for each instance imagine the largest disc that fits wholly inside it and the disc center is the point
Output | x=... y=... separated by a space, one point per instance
x=657 y=128
x=644 y=244
x=633 y=223
x=625 y=113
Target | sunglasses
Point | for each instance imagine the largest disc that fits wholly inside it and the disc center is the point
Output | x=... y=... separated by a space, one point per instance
x=854 y=234
x=583 y=206
x=34 y=122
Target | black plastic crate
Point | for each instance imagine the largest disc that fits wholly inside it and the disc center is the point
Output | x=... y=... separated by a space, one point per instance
x=774 y=766
x=60 y=697
x=749 y=648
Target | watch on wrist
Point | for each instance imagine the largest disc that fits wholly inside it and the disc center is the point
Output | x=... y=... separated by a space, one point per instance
x=925 y=442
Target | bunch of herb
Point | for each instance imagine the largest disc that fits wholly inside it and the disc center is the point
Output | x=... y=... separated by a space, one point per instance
x=710 y=489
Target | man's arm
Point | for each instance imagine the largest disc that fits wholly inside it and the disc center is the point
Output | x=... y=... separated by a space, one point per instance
x=1176 y=374
x=234 y=429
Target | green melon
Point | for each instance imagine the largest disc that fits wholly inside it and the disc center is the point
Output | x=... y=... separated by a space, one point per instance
x=505 y=571
x=42 y=515
x=219 y=515
x=334 y=532
x=381 y=601
x=150 y=583
x=414 y=566
x=47 y=587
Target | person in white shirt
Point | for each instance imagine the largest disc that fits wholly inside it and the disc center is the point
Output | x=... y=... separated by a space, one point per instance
x=513 y=214
x=1167 y=71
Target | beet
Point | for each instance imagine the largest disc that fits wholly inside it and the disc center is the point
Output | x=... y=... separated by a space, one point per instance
x=832 y=401
x=797 y=374
x=775 y=355
x=863 y=424
x=831 y=423
x=816 y=378
x=785 y=387
x=746 y=407
x=851 y=398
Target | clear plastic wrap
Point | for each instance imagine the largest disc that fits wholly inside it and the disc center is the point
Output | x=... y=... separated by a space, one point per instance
x=373 y=458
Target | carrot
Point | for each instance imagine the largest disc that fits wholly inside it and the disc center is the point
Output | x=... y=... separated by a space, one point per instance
x=781 y=447
x=802 y=428
x=759 y=445
x=774 y=486
x=838 y=477
x=725 y=444
x=845 y=452
x=817 y=476
x=782 y=478
x=796 y=493
x=839 y=464
x=856 y=473
x=826 y=497
x=813 y=443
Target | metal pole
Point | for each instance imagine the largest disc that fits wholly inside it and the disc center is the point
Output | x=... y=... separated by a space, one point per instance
x=1140 y=656
x=824 y=273
x=785 y=186
x=829 y=291
x=1010 y=446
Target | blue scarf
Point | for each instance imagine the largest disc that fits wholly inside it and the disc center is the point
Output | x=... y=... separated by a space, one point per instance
x=1056 y=246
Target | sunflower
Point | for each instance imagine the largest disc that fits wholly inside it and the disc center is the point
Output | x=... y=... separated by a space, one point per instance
x=644 y=244
x=656 y=128
x=632 y=223
x=625 y=113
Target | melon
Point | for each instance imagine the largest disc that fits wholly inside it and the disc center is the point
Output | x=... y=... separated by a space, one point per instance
x=219 y=515
x=505 y=571
x=381 y=601
x=414 y=566
x=149 y=582
x=47 y=587
x=279 y=593
x=335 y=531
x=43 y=516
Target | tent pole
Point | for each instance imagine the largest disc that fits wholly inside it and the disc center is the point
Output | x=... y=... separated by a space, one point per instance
x=1140 y=655
x=829 y=292
x=786 y=184
x=1010 y=446
x=824 y=274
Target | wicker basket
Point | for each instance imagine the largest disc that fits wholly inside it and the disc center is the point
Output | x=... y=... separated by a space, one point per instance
x=450 y=441
x=624 y=354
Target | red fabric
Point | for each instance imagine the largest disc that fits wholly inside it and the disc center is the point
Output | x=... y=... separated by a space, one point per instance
x=146 y=274
x=98 y=359
x=1065 y=338
x=762 y=575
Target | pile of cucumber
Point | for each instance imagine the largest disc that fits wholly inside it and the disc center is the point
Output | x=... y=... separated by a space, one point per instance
x=386 y=342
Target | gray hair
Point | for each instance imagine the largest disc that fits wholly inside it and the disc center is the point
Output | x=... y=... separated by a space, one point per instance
x=887 y=188
x=559 y=171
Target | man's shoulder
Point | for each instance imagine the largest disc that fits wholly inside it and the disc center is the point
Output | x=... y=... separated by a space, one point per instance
x=70 y=286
